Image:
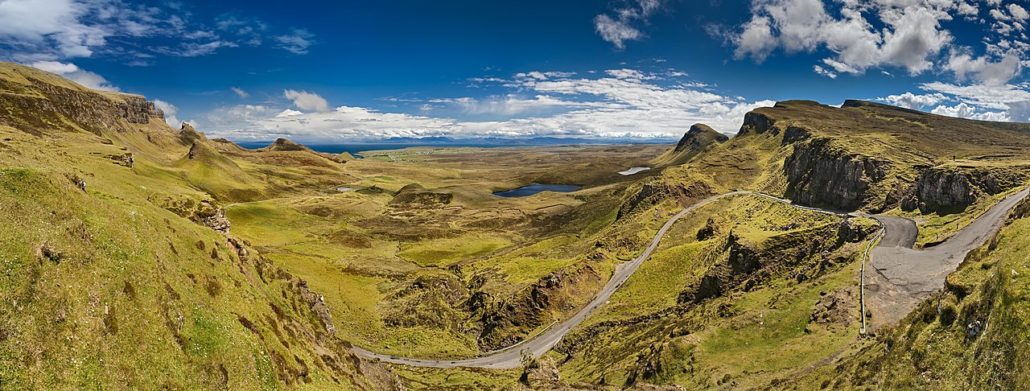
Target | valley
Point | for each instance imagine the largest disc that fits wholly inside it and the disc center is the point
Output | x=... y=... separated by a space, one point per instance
x=136 y=255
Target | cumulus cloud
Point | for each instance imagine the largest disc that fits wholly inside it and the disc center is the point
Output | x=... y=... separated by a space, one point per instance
x=914 y=101
x=616 y=103
x=171 y=113
x=74 y=73
x=910 y=37
x=307 y=101
x=622 y=28
x=1004 y=102
x=983 y=70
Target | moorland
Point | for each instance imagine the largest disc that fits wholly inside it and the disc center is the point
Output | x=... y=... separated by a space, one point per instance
x=136 y=255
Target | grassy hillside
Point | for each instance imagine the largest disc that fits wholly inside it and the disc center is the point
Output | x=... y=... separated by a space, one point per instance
x=140 y=256
x=118 y=272
x=972 y=335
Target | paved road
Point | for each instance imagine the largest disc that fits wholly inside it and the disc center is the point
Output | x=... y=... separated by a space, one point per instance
x=902 y=277
x=537 y=346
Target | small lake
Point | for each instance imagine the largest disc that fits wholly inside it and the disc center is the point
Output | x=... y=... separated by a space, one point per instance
x=634 y=170
x=534 y=188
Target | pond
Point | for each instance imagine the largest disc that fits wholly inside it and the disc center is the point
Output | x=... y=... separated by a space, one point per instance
x=634 y=170
x=534 y=188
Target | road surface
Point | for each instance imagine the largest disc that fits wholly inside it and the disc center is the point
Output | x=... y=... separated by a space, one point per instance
x=512 y=357
x=901 y=273
x=902 y=277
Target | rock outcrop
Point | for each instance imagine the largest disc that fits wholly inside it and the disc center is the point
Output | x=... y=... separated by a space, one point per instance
x=940 y=190
x=818 y=173
x=285 y=145
x=652 y=193
x=41 y=105
x=416 y=196
x=506 y=322
x=694 y=142
x=188 y=134
x=952 y=189
x=699 y=137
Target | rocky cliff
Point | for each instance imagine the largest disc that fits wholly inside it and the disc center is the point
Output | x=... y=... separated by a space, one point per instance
x=697 y=139
x=819 y=173
x=282 y=144
x=952 y=189
x=508 y=321
x=35 y=106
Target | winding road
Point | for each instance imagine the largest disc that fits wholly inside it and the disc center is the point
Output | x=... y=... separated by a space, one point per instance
x=901 y=272
x=902 y=277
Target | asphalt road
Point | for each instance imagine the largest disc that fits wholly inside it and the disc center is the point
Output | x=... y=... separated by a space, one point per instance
x=512 y=357
x=903 y=277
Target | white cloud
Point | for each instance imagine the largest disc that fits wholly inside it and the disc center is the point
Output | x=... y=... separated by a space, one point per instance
x=240 y=92
x=74 y=73
x=288 y=113
x=50 y=30
x=171 y=113
x=913 y=101
x=1005 y=102
x=308 y=101
x=963 y=110
x=1018 y=12
x=824 y=72
x=910 y=37
x=616 y=31
x=297 y=41
x=616 y=104
x=983 y=70
x=621 y=28
x=511 y=104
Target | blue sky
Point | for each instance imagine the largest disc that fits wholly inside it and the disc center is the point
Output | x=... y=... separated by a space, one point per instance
x=346 y=71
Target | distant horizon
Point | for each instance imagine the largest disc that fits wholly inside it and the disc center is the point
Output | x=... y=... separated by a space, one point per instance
x=642 y=68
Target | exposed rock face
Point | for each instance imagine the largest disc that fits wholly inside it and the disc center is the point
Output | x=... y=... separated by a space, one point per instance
x=542 y=375
x=282 y=145
x=506 y=322
x=90 y=110
x=416 y=196
x=427 y=301
x=699 y=137
x=940 y=190
x=188 y=135
x=755 y=122
x=652 y=193
x=834 y=308
x=138 y=110
x=747 y=264
x=708 y=231
x=205 y=213
x=820 y=174
x=953 y=189
x=212 y=216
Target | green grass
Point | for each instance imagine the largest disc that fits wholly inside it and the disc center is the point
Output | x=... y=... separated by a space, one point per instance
x=931 y=351
x=445 y=252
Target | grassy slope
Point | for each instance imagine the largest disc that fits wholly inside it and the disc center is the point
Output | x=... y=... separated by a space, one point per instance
x=970 y=336
x=725 y=340
x=107 y=288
